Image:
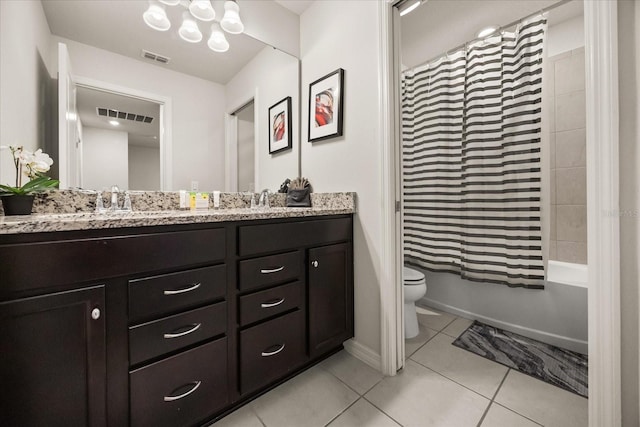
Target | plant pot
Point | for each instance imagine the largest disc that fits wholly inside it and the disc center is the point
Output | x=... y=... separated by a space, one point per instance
x=17 y=205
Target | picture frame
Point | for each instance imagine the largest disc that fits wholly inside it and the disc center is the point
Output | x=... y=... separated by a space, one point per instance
x=280 y=130
x=326 y=100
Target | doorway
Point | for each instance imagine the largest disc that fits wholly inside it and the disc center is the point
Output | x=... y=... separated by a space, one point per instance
x=246 y=147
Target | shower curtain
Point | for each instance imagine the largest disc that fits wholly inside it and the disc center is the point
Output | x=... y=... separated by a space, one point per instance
x=471 y=124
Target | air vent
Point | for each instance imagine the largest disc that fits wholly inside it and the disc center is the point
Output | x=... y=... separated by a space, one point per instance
x=155 y=57
x=108 y=112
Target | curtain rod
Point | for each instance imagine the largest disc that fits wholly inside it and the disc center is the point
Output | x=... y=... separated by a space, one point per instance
x=502 y=27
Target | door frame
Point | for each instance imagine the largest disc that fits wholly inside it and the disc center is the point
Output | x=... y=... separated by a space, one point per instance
x=601 y=57
x=231 y=143
x=165 y=140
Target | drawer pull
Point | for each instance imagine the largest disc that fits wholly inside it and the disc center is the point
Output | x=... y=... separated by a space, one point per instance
x=196 y=384
x=182 y=291
x=273 y=270
x=272 y=304
x=181 y=334
x=273 y=353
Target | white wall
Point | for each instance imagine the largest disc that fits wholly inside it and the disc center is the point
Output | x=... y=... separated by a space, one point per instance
x=198 y=110
x=259 y=17
x=24 y=39
x=565 y=36
x=629 y=92
x=268 y=78
x=346 y=37
x=105 y=158
x=144 y=173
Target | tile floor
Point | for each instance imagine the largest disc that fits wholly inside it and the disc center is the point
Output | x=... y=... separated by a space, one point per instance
x=441 y=385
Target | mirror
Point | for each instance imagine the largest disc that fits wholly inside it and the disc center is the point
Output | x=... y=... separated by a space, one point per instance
x=195 y=93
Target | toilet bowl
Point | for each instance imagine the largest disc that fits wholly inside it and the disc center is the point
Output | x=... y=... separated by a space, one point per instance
x=415 y=286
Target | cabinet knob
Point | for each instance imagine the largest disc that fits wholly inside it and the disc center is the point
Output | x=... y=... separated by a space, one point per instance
x=95 y=313
x=314 y=263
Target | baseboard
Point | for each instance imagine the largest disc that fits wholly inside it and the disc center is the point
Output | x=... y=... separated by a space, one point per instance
x=558 y=340
x=364 y=353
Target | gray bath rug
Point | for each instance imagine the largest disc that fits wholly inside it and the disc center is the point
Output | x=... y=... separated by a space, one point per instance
x=562 y=368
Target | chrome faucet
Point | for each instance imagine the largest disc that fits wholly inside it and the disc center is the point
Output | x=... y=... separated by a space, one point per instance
x=114 y=197
x=264 y=198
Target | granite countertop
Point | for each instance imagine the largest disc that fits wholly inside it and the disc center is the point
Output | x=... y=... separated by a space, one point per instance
x=343 y=203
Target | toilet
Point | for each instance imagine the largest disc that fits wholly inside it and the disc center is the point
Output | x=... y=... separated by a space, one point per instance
x=415 y=286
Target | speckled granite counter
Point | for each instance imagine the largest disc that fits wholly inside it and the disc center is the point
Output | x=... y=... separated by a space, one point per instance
x=235 y=208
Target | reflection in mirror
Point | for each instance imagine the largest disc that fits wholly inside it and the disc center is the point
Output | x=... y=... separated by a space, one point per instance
x=124 y=130
x=105 y=40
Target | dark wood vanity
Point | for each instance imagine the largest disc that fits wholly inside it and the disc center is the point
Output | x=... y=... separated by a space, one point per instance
x=171 y=325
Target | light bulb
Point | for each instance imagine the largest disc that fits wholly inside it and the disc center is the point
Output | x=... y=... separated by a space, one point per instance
x=202 y=10
x=156 y=17
x=217 y=41
x=231 y=22
x=170 y=2
x=189 y=30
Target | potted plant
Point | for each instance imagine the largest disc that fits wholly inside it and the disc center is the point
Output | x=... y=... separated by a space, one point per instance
x=18 y=200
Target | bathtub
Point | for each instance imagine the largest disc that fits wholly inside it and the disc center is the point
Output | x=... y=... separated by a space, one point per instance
x=556 y=314
x=567 y=273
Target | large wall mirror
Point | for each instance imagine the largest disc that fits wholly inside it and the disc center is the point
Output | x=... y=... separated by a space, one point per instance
x=115 y=102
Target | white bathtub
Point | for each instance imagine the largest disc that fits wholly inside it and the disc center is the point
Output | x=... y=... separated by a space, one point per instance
x=556 y=314
x=567 y=273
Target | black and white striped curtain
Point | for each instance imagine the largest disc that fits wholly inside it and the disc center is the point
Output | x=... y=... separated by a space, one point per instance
x=471 y=160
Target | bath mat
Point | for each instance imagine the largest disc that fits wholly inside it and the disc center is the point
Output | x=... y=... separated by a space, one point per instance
x=562 y=368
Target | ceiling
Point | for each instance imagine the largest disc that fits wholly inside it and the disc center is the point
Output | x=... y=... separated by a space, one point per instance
x=117 y=26
x=295 y=6
x=140 y=134
x=441 y=25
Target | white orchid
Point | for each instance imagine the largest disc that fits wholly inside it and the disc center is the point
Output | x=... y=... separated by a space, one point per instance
x=31 y=166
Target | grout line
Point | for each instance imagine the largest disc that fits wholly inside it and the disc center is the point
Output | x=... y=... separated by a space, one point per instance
x=351 y=388
x=380 y=409
x=256 y=414
x=450 y=379
x=343 y=411
x=486 y=411
x=518 y=413
x=423 y=344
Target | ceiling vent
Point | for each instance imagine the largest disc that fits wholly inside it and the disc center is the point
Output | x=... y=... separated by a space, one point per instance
x=155 y=57
x=108 y=112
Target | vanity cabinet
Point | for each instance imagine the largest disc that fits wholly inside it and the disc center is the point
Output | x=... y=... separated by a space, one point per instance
x=331 y=290
x=167 y=325
x=52 y=349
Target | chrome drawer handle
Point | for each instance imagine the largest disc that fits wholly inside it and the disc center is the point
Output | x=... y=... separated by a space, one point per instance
x=271 y=304
x=181 y=334
x=196 y=384
x=274 y=270
x=182 y=291
x=272 y=353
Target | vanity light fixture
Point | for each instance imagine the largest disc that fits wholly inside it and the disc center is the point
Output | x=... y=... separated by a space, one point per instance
x=231 y=22
x=408 y=9
x=217 y=42
x=189 y=30
x=487 y=31
x=202 y=9
x=156 y=17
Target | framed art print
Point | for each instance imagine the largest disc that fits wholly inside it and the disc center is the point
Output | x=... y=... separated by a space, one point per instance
x=326 y=96
x=280 y=126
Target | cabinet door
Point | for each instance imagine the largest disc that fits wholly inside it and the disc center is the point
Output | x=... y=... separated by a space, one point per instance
x=330 y=297
x=52 y=349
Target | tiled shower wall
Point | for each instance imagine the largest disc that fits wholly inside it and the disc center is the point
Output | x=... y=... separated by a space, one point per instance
x=568 y=240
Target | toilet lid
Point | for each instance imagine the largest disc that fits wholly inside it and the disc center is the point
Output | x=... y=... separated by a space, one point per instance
x=411 y=276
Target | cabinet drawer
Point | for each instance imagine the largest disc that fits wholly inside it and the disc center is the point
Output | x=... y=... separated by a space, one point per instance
x=271 y=350
x=264 y=238
x=168 y=293
x=172 y=333
x=99 y=258
x=180 y=390
x=263 y=304
x=269 y=270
